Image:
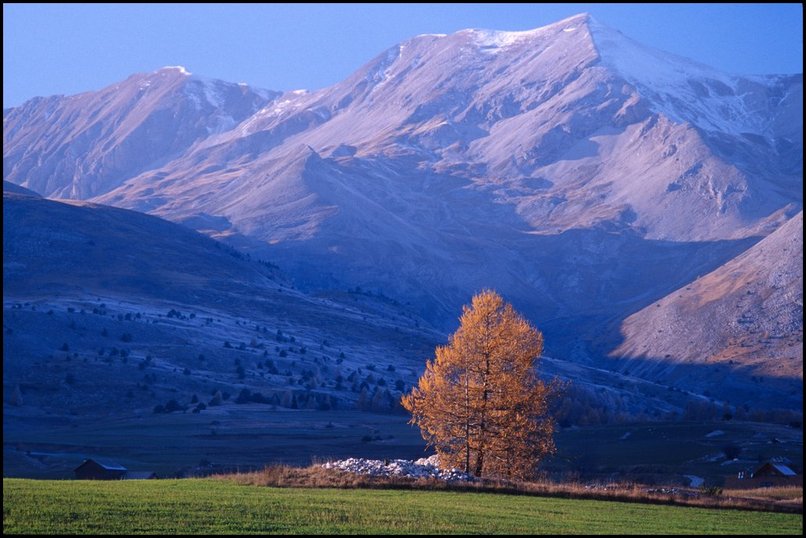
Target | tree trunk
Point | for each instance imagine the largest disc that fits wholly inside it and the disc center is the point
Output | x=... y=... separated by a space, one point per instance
x=467 y=424
x=480 y=463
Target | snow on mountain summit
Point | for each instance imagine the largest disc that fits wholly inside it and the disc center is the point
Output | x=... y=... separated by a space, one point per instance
x=495 y=39
x=180 y=68
x=84 y=145
x=683 y=89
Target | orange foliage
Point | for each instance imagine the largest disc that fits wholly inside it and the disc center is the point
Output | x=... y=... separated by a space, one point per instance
x=480 y=403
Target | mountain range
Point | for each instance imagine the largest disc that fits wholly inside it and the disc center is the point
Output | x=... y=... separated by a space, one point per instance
x=642 y=209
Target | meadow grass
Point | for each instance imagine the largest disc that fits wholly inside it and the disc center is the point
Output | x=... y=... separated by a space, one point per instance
x=794 y=493
x=783 y=499
x=207 y=506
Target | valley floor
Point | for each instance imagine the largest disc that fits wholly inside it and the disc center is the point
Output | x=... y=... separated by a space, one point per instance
x=233 y=437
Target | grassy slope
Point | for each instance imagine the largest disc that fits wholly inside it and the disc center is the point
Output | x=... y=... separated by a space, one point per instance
x=212 y=506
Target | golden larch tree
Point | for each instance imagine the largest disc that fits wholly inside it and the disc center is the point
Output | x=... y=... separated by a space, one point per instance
x=480 y=403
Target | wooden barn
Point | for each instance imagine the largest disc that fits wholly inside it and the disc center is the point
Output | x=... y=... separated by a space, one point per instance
x=777 y=474
x=767 y=475
x=140 y=475
x=94 y=469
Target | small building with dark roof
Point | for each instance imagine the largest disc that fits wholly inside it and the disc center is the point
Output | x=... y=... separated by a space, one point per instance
x=94 y=469
x=774 y=469
x=767 y=475
x=139 y=475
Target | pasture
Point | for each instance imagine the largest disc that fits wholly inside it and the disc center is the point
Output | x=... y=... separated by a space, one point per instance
x=208 y=506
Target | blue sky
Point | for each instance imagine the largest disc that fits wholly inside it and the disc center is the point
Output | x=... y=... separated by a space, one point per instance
x=69 y=48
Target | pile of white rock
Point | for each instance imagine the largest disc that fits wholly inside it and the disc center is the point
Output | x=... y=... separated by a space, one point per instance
x=422 y=468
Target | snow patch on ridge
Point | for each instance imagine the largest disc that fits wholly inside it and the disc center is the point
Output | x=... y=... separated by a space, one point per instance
x=487 y=40
x=493 y=41
x=207 y=87
x=180 y=68
x=682 y=89
x=289 y=101
x=383 y=72
x=212 y=93
x=639 y=63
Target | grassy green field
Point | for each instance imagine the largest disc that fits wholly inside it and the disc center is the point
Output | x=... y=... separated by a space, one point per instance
x=217 y=506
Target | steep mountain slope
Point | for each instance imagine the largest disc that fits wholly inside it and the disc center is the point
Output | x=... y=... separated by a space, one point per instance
x=561 y=124
x=84 y=145
x=96 y=298
x=582 y=175
x=747 y=312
